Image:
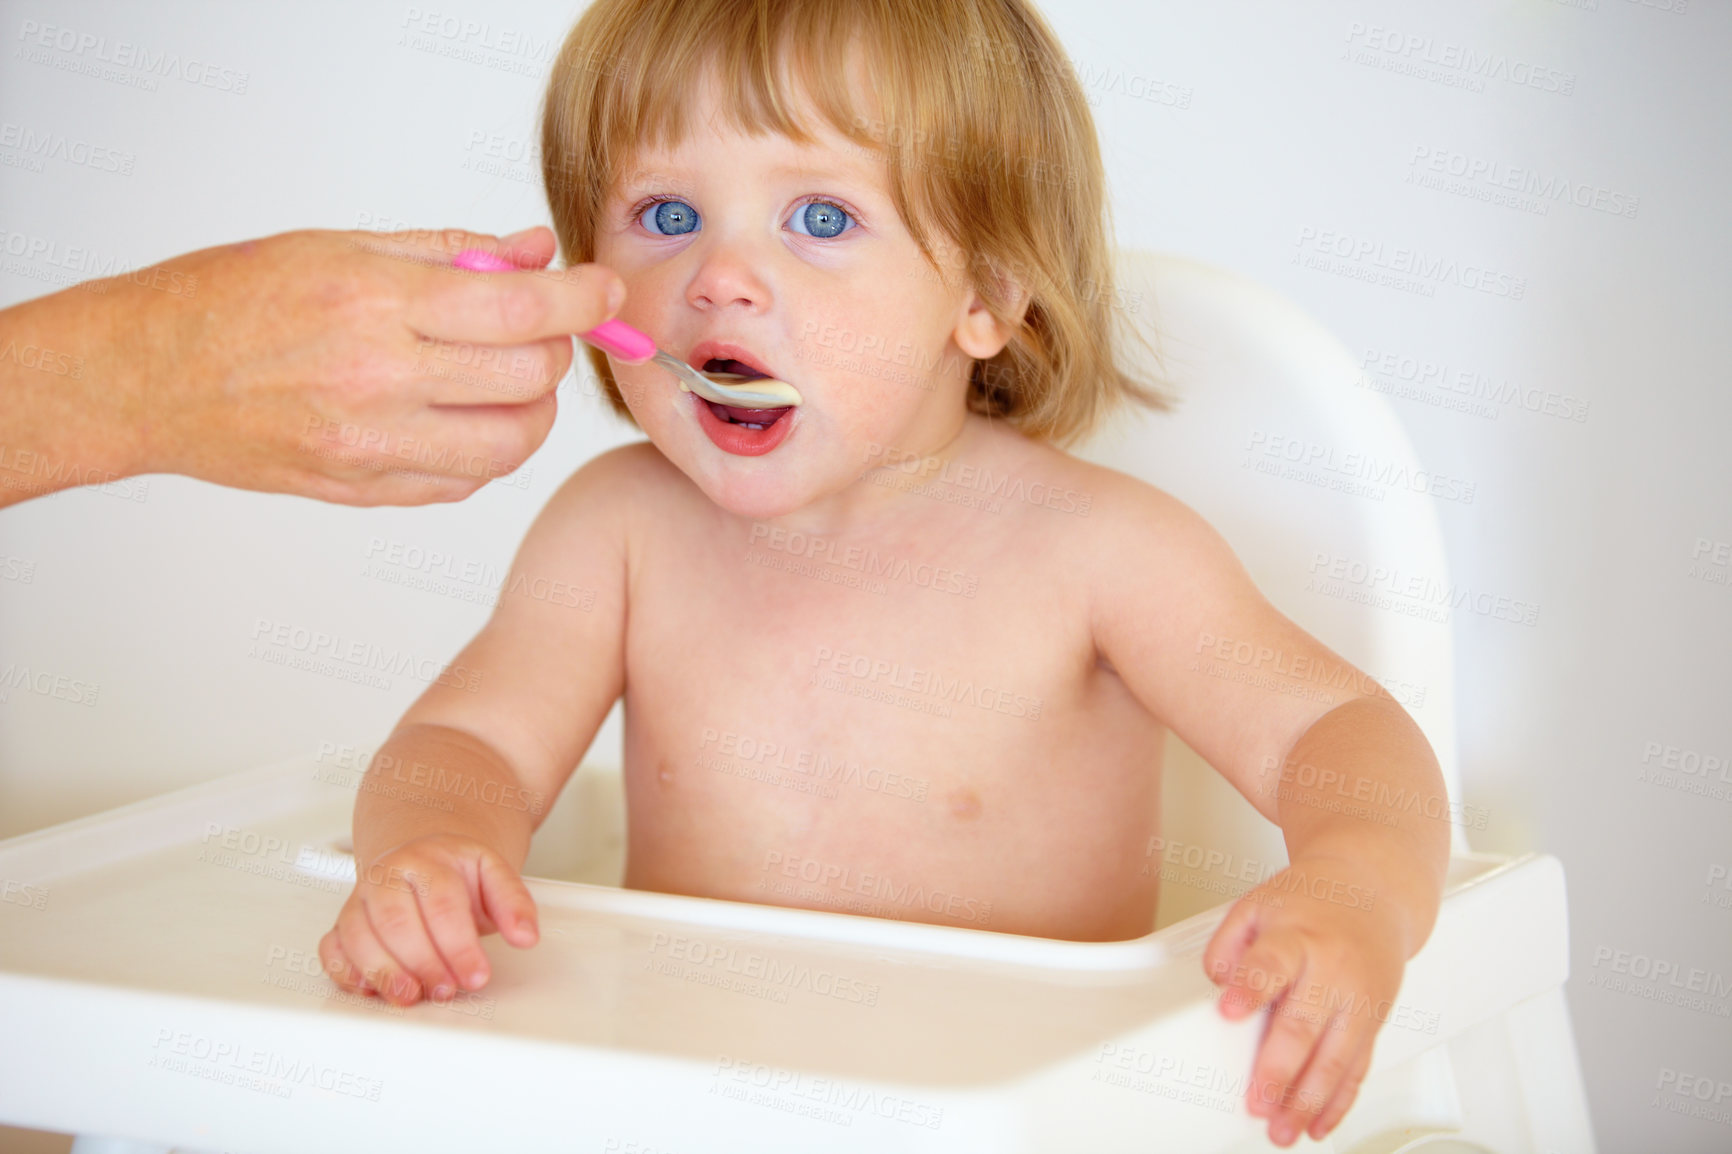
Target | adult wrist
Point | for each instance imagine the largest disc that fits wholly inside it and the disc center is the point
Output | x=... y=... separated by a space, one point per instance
x=127 y=339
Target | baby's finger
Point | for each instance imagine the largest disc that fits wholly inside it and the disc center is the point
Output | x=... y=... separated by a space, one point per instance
x=506 y=900
x=380 y=972
x=1262 y=974
x=1226 y=949
x=1287 y=1046
x=341 y=970
x=1346 y=1092
x=450 y=919
x=396 y=920
x=1302 y=1100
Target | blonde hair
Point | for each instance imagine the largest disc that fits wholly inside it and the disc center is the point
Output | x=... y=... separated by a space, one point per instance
x=984 y=129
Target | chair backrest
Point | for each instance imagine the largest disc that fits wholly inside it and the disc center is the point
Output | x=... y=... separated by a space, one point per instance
x=1282 y=442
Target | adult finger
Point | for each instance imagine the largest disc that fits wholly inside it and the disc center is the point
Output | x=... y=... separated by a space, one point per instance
x=489 y=441
x=407 y=470
x=530 y=248
x=396 y=920
x=465 y=373
x=367 y=489
x=511 y=308
x=438 y=448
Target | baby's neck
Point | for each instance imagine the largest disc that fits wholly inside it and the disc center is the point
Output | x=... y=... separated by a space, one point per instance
x=879 y=503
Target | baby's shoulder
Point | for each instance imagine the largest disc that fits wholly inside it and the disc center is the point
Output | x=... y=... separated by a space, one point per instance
x=1108 y=499
x=633 y=473
x=610 y=492
x=1126 y=520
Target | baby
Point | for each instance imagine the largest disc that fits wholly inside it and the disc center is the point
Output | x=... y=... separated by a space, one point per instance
x=898 y=209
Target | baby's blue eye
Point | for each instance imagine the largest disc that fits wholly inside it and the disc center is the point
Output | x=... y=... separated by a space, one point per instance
x=821 y=219
x=670 y=218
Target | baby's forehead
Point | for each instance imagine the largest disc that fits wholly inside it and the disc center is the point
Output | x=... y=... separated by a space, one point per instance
x=703 y=147
x=707 y=109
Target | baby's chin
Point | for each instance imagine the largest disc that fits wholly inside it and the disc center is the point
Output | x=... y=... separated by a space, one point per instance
x=771 y=493
x=769 y=485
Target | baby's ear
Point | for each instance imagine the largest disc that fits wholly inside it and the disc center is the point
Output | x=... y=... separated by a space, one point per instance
x=982 y=335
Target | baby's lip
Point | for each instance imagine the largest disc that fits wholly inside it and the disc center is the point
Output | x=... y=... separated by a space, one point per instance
x=705 y=351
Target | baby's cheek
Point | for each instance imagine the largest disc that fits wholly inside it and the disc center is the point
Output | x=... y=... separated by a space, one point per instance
x=875 y=435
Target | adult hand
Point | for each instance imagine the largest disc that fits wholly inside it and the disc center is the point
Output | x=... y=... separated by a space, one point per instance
x=354 y=367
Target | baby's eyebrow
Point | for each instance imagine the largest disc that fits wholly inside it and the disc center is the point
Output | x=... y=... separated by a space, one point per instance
x=856 y=171
x=640 y=177
x=845 y=168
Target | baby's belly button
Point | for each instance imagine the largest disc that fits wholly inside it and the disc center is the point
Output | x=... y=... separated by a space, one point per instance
x=964 y=804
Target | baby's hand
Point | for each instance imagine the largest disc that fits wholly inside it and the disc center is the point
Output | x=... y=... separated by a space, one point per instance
x=414 y=922
x=1315 y=942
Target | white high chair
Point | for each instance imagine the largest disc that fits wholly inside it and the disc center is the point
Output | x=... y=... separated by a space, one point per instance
x=167 y=991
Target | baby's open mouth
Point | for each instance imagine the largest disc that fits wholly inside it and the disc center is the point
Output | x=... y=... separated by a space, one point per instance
x=750 y=418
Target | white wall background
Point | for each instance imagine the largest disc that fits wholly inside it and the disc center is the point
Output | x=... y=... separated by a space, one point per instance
x=1232 y=129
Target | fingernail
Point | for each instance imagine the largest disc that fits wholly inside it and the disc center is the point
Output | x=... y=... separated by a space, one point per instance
x=442 y=993
x=476 y=977
x=520 y=234
x=615 y=297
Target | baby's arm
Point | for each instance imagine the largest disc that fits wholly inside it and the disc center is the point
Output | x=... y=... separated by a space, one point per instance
x=1172 y=611
x=444 y=816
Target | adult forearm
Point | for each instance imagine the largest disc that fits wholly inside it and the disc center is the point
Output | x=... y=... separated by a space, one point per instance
x=1362 y=788
x=69 y=413
x=431 y=779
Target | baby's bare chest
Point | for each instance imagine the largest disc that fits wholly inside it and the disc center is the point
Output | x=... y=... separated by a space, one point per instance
x=915 y=725
x=805 y=690
x=802 y=655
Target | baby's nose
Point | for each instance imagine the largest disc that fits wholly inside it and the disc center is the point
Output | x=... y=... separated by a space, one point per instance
x=727 y=277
